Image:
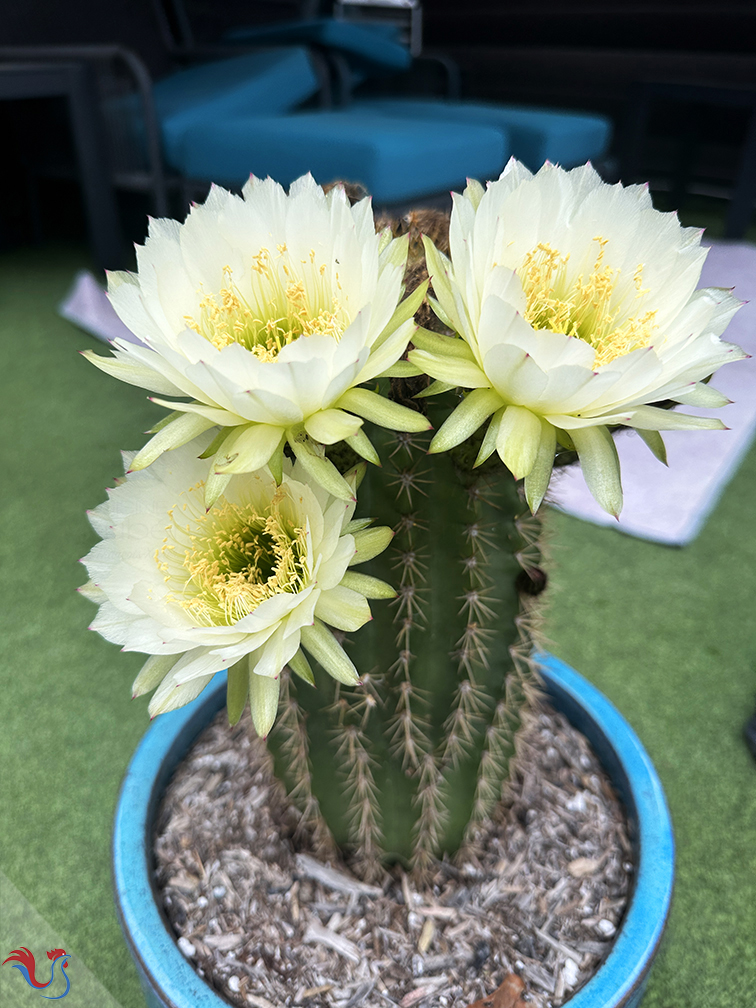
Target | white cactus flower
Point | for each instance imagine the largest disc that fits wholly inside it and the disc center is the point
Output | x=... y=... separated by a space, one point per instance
x=241 y=586
x=576 y=306
x=267 y=311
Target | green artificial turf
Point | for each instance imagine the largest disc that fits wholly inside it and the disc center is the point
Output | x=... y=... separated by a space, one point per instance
x=669 y=635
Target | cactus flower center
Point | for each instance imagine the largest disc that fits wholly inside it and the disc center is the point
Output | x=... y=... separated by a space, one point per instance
x=220 y=565
x=283 y=301
x=585 y=307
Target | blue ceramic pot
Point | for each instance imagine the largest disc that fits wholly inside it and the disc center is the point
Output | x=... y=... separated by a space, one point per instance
x=169 y=981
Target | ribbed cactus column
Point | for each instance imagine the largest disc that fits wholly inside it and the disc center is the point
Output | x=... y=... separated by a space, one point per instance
x=403 y=767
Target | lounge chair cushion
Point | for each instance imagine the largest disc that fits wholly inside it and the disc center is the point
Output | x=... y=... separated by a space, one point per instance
x=265 y=82
x=270 y=81
x=395 y=159
x=372 y=48
x=535 y=134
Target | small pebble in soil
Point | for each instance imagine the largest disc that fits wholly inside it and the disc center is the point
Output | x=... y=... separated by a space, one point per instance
x=570 y=973
x=186 y=947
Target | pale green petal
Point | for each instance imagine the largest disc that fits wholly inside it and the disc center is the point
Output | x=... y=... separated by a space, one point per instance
x=442 y=346
x=168 y=418
x=362 y=444
x=518 y=440
x=439 y=312
x=387 y=354
x=474 y=192
x=653 y=418
x=382 y=411
x=215 y=485
x=370 y=587
x=402 y=369
x=405 y=311
x=319 y=467
x=218 y=416
x=133 y=373
x=326 y=650
x=332 y=425
x=356 y=475
x=654 y=442
x=91 y=591
x=343 y=608
x=385 y=238
x=370 y=543
x=474 y=409
x=301 y=667
x=356 y=525
x=435 y=388
x=537 y=480
x=263 y=700
x=702 y=395
x=154 y=670
x=454 y=371
x=488 y=447
x=275 y=462
x=247 y=449
x=395 y=253
x=600 y=464
x=170 y=696
x=216 y=444
x=180 y=431
x=440 y=272
x=237 y=690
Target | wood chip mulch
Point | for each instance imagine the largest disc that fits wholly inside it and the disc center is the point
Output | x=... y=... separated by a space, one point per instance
x=526 y=922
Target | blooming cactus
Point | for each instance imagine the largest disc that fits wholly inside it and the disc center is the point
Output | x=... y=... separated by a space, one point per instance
x=241 y=586
x=573 y=308
x=576 y=306
x=268 y=312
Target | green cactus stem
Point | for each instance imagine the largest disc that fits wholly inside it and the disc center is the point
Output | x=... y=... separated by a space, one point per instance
x=404 y=766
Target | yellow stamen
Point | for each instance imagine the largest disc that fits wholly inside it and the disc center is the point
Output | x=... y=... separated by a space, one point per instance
x=226 y=562
x=583 y=307
x=283 y=303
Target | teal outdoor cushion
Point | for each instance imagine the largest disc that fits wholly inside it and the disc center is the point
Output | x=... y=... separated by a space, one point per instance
x=261 y=83
x=395 y=159
x=265 y=82
x=371 y=48
x=535 y=134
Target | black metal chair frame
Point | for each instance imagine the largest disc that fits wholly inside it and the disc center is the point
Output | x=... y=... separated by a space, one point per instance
x=73 y=81
x=155 y=179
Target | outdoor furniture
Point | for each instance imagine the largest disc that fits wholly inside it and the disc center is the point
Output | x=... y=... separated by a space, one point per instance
x=395 y=158
x=361 y=50
x=223 y=120
x=536 y=135
x=73 y=81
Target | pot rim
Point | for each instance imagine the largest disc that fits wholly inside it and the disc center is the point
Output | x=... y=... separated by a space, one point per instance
x=170 y=736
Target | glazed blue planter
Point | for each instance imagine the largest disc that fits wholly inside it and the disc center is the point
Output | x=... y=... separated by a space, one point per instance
x=169 y=981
